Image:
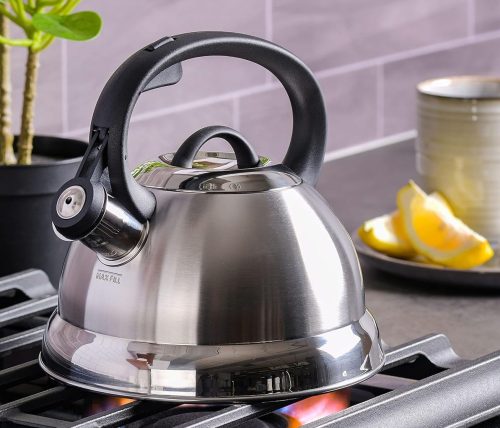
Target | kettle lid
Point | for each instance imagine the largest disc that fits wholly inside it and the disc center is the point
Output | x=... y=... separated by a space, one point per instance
x=212 y=172
x=190 y=170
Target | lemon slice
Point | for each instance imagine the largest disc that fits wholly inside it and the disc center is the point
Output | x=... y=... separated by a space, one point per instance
x=441 y=200
x=436 y=233
x=387 y=235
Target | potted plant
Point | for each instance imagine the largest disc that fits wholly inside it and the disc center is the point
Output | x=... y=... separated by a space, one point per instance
x=33 y=167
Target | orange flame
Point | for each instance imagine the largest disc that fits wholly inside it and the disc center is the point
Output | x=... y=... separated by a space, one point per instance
x=297 y=414
x=314 y=408
x=107 y=403
x=121 y=401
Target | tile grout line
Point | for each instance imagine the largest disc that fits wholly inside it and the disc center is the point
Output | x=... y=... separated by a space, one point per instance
x=370 y=145
x=380 y=100
x=399 y=56
x=268 y=86
x=64 y=86
x=268 y=17
x=202 y=102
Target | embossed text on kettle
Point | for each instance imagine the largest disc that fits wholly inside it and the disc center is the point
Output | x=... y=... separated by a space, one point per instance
x=107 y=276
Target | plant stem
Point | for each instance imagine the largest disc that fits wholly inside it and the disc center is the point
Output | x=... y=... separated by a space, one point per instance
x=18 y=8
x=65 y=8
x=13 y=18
x=15 y=42
x=7 y=156
x=27 y=125
x=43 y=43
x=44 y=3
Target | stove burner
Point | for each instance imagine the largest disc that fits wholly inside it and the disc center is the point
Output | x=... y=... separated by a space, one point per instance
x=269 y=421
x=417 y=376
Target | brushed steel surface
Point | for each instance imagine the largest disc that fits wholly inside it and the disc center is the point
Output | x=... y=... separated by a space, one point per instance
x=118 y=237
x=259 y=371
x=222 y=269
x=247 y=287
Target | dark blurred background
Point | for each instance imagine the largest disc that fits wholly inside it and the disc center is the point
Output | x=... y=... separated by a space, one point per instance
x=367 y=54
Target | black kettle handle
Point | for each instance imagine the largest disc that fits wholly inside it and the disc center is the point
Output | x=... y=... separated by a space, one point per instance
x=142 y=71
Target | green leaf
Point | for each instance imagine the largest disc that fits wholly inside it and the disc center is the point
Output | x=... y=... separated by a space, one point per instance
x=77 y=26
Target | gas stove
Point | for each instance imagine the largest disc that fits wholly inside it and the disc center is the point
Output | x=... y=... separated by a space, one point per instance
x=423 y=383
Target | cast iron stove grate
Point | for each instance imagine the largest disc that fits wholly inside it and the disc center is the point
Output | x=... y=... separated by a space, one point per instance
x=423 y=383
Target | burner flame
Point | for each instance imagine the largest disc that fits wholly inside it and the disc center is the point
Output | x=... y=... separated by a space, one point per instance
x=314 y=408
x=297 y=414
x=103 y=404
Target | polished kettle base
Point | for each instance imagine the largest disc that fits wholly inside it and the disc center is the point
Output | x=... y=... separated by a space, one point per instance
x=229 y=373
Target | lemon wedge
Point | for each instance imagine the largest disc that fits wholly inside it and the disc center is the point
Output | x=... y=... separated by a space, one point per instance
x=437 y=234
x=387 y=235
x=441 y=200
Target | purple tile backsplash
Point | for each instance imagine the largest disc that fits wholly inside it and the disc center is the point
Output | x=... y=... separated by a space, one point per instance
x=401 y=77
x=487 y=15
x=127 y=30
x=151 y=137
x=326 y=33
x=367 y=54
x=351 y=102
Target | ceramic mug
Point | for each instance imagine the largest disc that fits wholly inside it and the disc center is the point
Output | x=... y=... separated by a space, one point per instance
x=458 y=147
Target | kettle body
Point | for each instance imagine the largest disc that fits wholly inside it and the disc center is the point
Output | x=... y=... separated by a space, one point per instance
x=235 y=284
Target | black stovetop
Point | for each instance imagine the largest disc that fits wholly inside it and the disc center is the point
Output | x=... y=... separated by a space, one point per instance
x=423 y=383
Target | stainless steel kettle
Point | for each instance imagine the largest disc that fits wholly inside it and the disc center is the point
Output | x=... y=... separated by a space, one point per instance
x=207 y=277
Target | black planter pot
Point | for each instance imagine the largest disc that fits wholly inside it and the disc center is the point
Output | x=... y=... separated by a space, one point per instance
x=26 y=236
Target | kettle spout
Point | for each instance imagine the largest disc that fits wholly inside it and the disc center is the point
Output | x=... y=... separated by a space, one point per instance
x=84 y=211
x=118 y=237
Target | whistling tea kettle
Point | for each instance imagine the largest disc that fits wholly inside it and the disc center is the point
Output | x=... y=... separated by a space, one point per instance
x=208 y=277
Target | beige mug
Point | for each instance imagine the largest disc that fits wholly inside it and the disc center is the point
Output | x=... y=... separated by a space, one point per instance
x=458 y=147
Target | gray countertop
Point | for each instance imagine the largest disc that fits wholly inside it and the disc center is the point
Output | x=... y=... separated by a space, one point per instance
x=363 y=186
